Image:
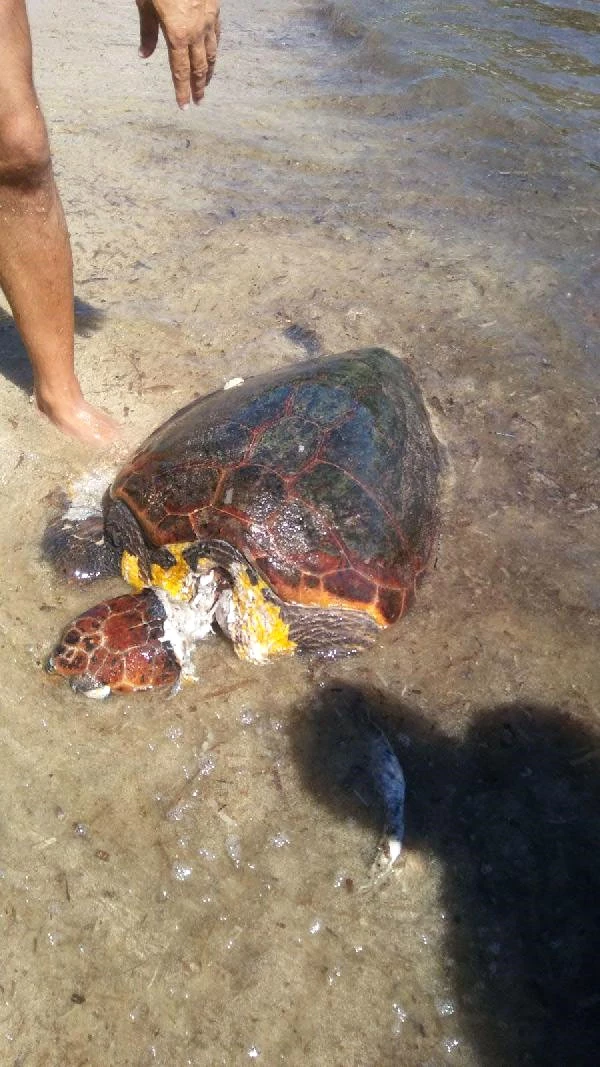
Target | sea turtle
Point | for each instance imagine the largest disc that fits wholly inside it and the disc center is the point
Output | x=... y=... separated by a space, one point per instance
x=296 y=512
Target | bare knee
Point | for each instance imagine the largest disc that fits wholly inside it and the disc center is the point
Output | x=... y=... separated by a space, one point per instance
x=24 y=149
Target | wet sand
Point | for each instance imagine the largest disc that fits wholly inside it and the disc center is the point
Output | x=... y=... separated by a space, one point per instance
x=181 y=877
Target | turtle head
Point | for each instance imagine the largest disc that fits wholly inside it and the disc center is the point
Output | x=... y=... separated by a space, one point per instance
x=117 y=646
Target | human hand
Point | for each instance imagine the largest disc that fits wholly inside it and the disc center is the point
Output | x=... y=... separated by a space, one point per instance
x=191 y=29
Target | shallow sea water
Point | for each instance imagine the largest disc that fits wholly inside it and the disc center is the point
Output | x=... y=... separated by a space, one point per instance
x=185 y=880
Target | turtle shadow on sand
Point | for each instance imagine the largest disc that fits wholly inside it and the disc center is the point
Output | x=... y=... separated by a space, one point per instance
x=14 y=364
x=512 y=810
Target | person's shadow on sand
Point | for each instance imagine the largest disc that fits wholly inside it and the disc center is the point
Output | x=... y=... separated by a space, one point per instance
x=513 y=810
x=14 y=364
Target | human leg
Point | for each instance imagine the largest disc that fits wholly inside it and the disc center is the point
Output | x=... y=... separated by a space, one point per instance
x=35 y=253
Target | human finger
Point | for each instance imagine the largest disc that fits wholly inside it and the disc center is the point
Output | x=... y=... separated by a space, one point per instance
x=179 y=62
x=148 y=29
x=199 y=68
x=217 y=27
x=212 y=43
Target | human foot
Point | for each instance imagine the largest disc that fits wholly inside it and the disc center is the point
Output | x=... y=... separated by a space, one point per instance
x=81 y=420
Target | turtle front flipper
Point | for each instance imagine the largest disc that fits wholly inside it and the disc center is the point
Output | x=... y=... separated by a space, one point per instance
x=262 y=626
x=105 y=545
x=117 y=646
x=329 y=631
x=78 y=550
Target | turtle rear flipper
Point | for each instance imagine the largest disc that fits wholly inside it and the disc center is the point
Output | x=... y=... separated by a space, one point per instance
x=78 y=550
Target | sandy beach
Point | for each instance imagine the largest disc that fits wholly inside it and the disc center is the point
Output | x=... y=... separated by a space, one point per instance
x=181 y=876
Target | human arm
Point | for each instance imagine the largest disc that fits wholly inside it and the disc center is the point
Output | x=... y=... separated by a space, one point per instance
x=191 y=30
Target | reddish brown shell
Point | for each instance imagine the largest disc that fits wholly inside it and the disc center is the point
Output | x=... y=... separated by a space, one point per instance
x=323 y=475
